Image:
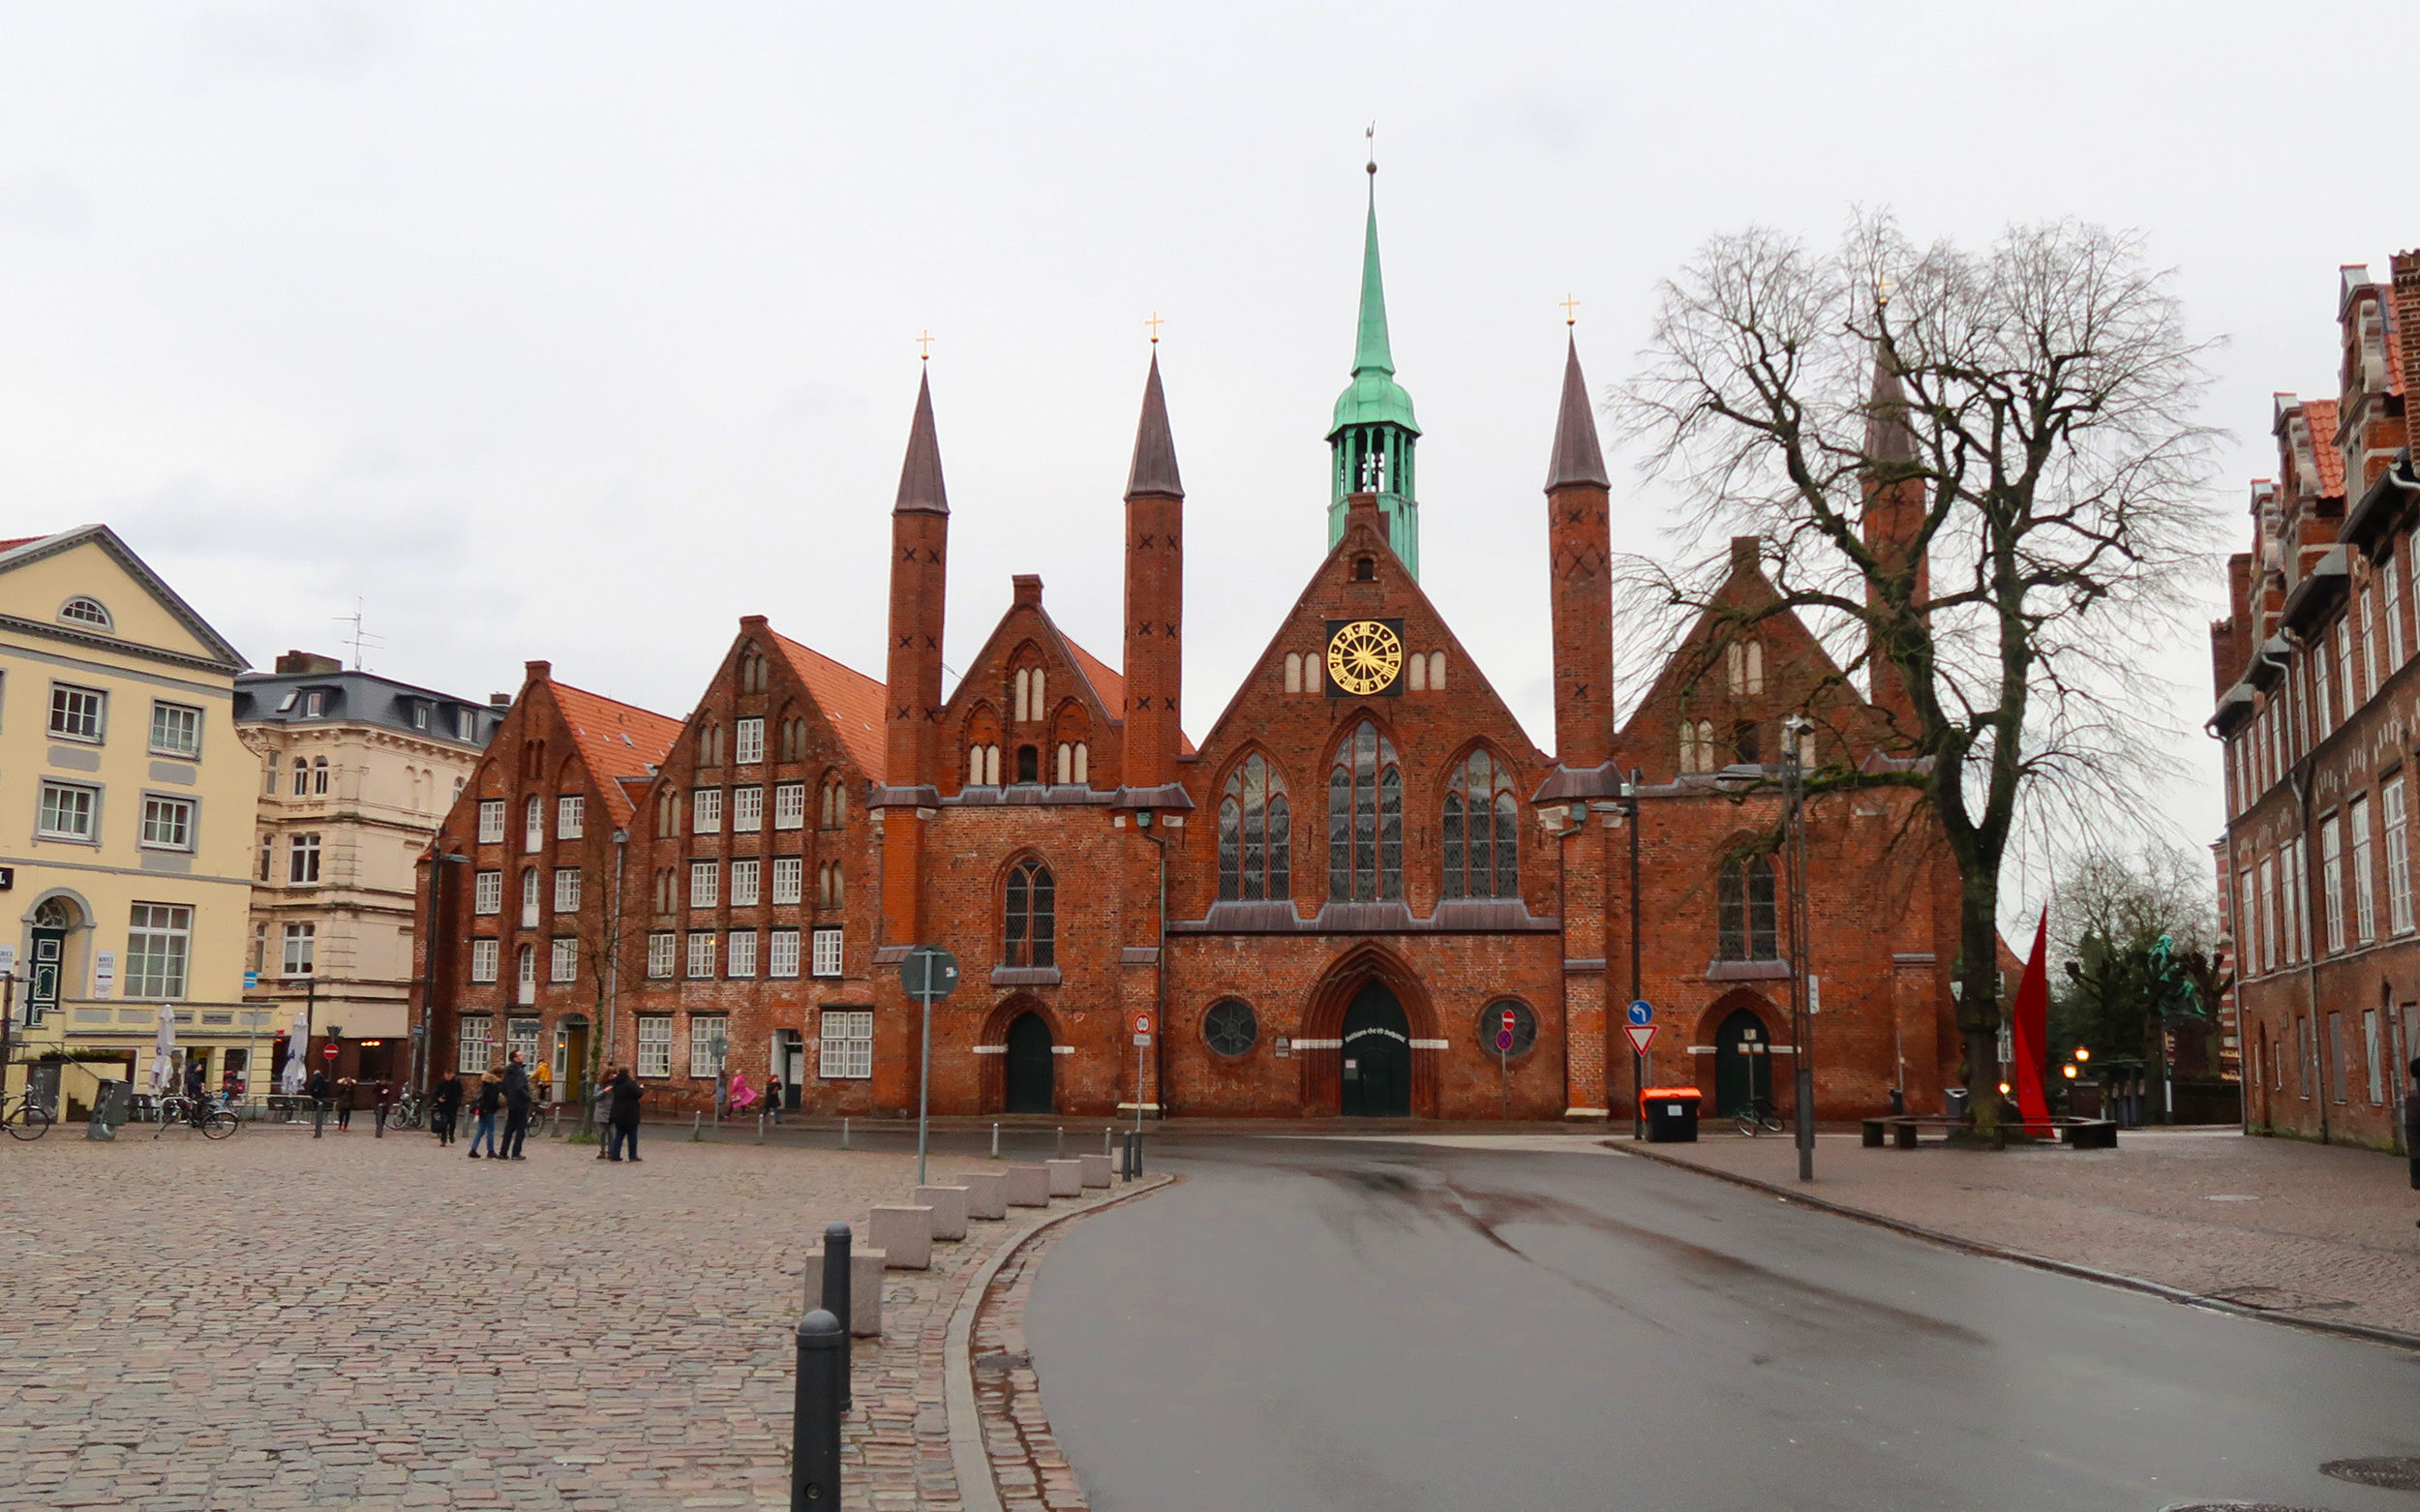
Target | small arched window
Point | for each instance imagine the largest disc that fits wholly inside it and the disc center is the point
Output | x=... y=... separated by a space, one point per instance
x=982 y=766
x=1744 y=915
x=835 y=811
x=1294 y=672
x=1256 y=835
x=1482 y=831
x=1365 y=819
x=1744 y=666
x=88 y=612
x=829 y=893
x=1029 y=934
x=1365 y=569
x=1697 y=746
x=319 y=776
x=302 y=776
x=1028 y=763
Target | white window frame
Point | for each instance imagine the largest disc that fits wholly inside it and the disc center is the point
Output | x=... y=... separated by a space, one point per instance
x=828 y=951
x=188 y=750
x=70 y=713
x=529 y=897
x=2298 y=899
x=183 y=816
x=2364 y=878
x=76 y=801
x=2332 y=881
x=781 y=957
x=748 y=741
x=705 y=883
x=2248 y=929
x=491 y=821
x=701 y=955
x=486 y=892
x=2345 y=665
x=746 y=878
x=298 y=950
x=570 y=816
x=748 y=810
x=2320 y=683
x=474 y=1049
x=532 y=825
x=789 y=805
x=655 y=1057
x=486 y=955
x=2370 y=638
x=740 y=955
x=2377 y=1057
x=2391 y=605
x=2397 y=840
x=567 y=890
x=2269 y=935
x=706 y=811
x=703 y=1029
x=789 y=879
x=564 y=960
x=846 y=1041
x=302 y=859
x=522 y=1037
x=663 y=953
x=158 y=951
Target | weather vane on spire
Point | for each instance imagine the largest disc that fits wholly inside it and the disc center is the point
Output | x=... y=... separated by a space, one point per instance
x=925 y=346
x=1570 y=303
x=1155 y=323
x=1371 y=132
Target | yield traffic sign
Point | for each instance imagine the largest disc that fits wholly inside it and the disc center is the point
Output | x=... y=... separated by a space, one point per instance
x=1641 y=1035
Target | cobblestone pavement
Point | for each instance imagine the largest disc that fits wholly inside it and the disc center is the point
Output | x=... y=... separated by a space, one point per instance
x=274 y=1322
x=1027 y=1465
x=2317 y=1230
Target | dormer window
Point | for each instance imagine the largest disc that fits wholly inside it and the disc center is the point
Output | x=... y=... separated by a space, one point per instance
x=315 y=705
x=419 y=716
x=1365 y=569
x=88 y=612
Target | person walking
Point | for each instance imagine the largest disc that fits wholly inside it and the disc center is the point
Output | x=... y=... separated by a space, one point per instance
x=626 y=1092
x=345 y=1088
x=446 y=1108
x=321 y=1089
x=516 y=1105
x=386 y=1095
x=193 y=1077
x=491 y=1097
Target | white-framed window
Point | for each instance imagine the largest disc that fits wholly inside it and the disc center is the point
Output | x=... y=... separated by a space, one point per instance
x=2378 y=1061
x=740 y=955
x=706 y=811
x=2391 y=608
x=477 y=1047
x=2365 y=882
x=2398 y=841
x=827 y=953
x=751 y=741
x=2297 y=898
x=702 y=955
x=491 y=821
x=532 y=825
x=748 y=810
x=744 y=873
x=466 y=726
x=2370 y=638
x=302 y=859
x=168 y=823
x=705 y=1031
x=486 y=892
x=790 y=805
x=175 y=730
x=789 y=879
x=2344 y=665
x=301 y=952
x=655 y=1057
x=2332 y=880
x=2268 y=912
x=521 y=1037
x=528 y=897
x=570 y=814
x=419 y=716
x=86 y=611
x=484 y=958
x=159 y=938
x=662 y=947
x=2248 y=929
x=524 y=973
x=567 y=890
x=782 y=957
x=79 y=714
x=565 y=963
x=2322 y=704
x=704 y=880
x=70 y=811
x=848 y=1043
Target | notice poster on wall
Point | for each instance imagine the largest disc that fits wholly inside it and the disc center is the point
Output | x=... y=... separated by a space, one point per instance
x=105 y=971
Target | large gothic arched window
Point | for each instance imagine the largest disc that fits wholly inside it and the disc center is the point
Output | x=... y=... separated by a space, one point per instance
x=1030 y=935
x=1365 y=820
x=1482 y=831
x=1744 y=914
x=1256 y=835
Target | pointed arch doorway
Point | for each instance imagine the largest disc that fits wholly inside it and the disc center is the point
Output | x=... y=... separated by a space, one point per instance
x=1030 y=1071
x=1743 y=1068
x=1378 y=1054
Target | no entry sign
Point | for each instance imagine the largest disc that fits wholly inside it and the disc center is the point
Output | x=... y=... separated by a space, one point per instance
x=1641 y=1035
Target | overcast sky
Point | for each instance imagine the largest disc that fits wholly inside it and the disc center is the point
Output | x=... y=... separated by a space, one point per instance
x=580 y=331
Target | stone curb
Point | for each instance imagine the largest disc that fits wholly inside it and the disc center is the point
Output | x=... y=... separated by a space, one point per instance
x=977 y=1490
x=2368 y=1332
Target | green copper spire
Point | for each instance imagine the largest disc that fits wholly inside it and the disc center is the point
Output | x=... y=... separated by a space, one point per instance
x=1371 y=439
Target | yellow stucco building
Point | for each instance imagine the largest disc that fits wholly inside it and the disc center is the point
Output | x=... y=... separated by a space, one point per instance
x=126 y=821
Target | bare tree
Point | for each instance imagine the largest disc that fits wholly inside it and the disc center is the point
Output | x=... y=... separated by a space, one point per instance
x=1977 y=477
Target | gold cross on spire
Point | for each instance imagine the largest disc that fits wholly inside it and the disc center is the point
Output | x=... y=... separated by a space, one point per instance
x=1569 y=305
x=1372 y=132
x=1155 y=323
x=925 y=346
x=1883 y=288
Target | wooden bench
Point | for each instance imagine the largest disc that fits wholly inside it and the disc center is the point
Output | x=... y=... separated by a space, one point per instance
x=1903 y=1130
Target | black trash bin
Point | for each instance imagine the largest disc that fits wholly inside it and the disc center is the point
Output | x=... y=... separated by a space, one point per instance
x=1670 y=1115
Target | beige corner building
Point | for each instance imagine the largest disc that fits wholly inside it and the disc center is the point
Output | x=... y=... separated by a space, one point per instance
x=126 y=821
x=353 y=770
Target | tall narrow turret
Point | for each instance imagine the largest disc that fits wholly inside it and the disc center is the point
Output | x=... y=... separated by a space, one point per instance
x=1894 y=515
x=1372 y=439
x=919 y=542
x=1579 y=573
x=1155 y=599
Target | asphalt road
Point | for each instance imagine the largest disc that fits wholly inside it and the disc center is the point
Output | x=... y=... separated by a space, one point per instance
x=1341 y=1324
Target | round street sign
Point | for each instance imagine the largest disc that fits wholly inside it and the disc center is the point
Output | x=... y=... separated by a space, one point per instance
x=1503 y=1039
x=1142 y=1023
x=1641 y=1014
x=928 y=973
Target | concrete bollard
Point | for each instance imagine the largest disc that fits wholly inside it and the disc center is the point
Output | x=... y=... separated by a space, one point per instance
x=1067 y=1177
x=844 y=1133
x=1096 y=1169
x=987 y=1193
x=866 y=1267
x=995 y=1142
x=904 y=1235
x=949 y=1205
x=1063 y=1141
x=1027 y=1186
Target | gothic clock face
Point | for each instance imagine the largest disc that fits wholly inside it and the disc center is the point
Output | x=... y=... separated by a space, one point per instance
x=1364 y=656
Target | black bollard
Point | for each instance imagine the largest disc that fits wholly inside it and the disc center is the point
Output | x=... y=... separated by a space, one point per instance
x=318 y=1115
x=836 y=1243
x=815 y=1413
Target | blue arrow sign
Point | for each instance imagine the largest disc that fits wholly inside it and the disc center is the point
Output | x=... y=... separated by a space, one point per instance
x=1641 y=1014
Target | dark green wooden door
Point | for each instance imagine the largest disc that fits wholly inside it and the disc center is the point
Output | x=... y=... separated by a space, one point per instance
x=1378 y=1056
x=1030 y=1069
x=1741 y=1073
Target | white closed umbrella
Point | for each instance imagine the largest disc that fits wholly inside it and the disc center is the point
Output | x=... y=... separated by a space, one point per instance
x=164 y=1056
x=297 y=1057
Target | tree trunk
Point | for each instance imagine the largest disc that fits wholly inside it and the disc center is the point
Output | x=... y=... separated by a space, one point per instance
x=1979 y=999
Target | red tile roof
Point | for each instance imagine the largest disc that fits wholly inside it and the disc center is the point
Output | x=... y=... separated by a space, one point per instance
x=2319 y=414
x=22 y=540
x=849 y=700
x=1110 y=684
x=618 y=740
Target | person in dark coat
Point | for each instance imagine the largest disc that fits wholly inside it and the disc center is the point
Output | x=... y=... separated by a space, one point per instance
x=624 y=1117
x=491 y=1097
x=321 y=1089
x=194 y=1079
x=346 y=1087
x=383 y=1097
x=518 y=1101
x=446 y=1110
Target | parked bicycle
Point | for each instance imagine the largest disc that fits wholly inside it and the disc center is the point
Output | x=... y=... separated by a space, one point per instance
x=1759 y=1117
x=26 y=1116
x=214 y=1122
x=409 y=1111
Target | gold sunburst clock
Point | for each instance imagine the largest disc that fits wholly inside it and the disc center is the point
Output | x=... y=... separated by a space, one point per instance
x=1364 y=657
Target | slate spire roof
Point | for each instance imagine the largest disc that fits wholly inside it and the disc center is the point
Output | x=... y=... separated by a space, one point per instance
x=1888 y=438
x=1155 y=450
x=1578 y=462
x=920 y=476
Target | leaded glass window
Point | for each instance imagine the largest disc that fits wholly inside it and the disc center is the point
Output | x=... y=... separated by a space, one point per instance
x=1745 y=910
x=1230 y=1027
x=1256 y=835
x=1030 y=936
x=1482 y=831
x=1365 y=820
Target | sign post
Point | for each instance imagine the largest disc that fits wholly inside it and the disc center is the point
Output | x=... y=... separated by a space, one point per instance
x=1641 y=1016
x=1142 y=1043
x=1503 y=1062
x=929 y=973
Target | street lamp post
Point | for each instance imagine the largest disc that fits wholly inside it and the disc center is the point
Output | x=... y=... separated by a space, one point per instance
x=1628 y=805
x=1793 y=731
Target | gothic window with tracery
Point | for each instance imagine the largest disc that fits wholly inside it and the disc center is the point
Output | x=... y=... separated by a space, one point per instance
x=1482 y=831
x=1028 y=937
x=1365 y=819
x=1256 y=835
x=1744 y=914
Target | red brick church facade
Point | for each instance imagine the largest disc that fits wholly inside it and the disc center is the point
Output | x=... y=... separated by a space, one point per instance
x=1327 y=907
